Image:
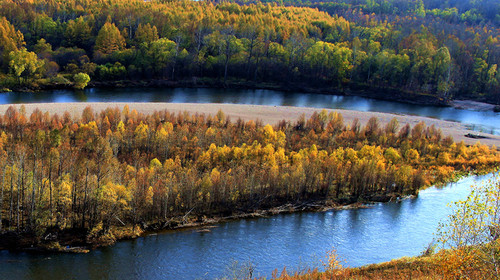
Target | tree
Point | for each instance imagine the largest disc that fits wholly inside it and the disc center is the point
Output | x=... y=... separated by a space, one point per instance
x=472 y=232
x=10 y=40
x=493 y=77
x=24 y=64
x=43 y=49
x=109 y=39
x=329 y=61
x=223 y=48
x=442 y=61
x=145 y=34
x=160 y=54
x=231 y=47
x=81 y=80
x=79 y=33
x=419 y=8
x=44 y=27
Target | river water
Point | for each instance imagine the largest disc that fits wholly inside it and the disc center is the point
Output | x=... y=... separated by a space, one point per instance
x=484 y=121
x=381 y=232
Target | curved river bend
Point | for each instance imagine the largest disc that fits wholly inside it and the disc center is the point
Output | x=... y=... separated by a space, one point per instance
x=484 y=121
x=379 y=233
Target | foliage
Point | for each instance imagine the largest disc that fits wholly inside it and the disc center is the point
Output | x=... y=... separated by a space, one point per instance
x=10 y=40
x=109 y=39
x=404 y=268
x=122 y=168
x=441 y=49
x=472 y=232
x=81 y=80
x=24 y=64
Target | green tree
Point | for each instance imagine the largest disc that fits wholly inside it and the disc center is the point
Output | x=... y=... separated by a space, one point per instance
x=44 y=27
x=43 y=49
x=25 y=65
x=419 y=8
x=231 y=47
x=493 y=76
x=81 y=80
x=442 y=61
x=79 y=33
x=160 y=55
x=330 y=61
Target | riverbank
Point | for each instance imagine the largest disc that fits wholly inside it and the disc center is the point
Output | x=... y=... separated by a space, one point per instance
x=76 y=240
x=473 y=105
x=420 y=267
x=362 y=90
x=267 y=114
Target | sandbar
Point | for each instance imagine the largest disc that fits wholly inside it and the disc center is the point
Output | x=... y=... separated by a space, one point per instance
x=267 y=114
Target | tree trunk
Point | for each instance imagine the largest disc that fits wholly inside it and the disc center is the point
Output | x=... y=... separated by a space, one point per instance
x=1 y=198
x=11 y=212
x=85 y=198
x=33 y=194
x=50 y=191
x=225 y=68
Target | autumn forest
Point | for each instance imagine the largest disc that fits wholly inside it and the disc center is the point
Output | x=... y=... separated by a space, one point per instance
x=122 y=168
x=429 y=48
x=74 y=181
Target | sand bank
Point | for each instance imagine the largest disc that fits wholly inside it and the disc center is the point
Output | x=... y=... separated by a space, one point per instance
x=268 y=114
x=472 y=105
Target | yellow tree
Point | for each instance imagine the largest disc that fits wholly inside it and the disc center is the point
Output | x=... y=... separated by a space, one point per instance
x=10 y=40
x=25 y=64
x=472 y=232
x=63 y=198
x=81 y=80
x=145 y=34
x=109 y=39
x=115 y=199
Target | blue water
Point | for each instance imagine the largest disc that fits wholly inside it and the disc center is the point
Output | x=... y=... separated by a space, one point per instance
x=382 y=232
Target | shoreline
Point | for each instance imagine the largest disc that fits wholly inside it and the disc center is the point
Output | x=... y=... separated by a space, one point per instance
x=472 y=105
x=265 y=113
x=361 y=90
x=26 y=242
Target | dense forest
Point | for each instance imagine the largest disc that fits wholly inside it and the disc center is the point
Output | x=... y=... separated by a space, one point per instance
x=438 y=49
x=119 y=167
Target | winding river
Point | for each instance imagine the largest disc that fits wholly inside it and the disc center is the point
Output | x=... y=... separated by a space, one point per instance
x=484 y=121
x=297 y=241
x=381 y=232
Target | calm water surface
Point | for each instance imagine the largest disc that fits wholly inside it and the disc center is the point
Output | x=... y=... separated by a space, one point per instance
x=486 y=121
x=361 y=236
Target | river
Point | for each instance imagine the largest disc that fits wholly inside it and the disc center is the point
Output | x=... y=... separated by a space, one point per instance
x=484 y=121
x=381 y=232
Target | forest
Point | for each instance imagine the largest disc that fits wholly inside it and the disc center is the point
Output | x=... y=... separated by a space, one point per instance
x=435 y=49
x=120 y=168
